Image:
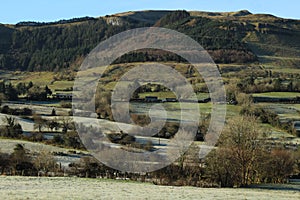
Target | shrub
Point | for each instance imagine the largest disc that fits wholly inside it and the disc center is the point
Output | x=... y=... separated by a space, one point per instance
x=65 y=104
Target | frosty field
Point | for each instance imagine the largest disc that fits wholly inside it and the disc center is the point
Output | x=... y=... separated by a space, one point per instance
x=79 y=188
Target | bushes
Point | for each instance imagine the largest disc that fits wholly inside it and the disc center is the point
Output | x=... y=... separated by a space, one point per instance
x=121 y=138
x=269 y=117
x=264 y=115
x=21 y=162
x=277 y=166
x=37 y=93
x=65 y=104
x=57 y=139
x=169 y=130
x=232 y=56
x=130 y=141
x=71 y=139
x=242 y=158
x=11 y=129
x=219 y=168
x=141 y=120
x=44 y=162
x=17 y=111
x=5 y=163
x=241 y=146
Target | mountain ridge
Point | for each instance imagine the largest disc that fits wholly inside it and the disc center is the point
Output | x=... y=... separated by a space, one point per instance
x=240 y=13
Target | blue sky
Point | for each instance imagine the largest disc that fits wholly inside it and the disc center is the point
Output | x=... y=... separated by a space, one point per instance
x=13 y=11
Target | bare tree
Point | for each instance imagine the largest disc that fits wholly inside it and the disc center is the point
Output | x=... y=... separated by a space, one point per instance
x=278 y=165
x=67 y=124
x=5 y=162
x=239 y=153
x=39 y=122
x=11 y=127
x=45 y=162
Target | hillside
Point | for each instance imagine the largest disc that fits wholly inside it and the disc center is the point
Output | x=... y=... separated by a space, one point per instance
x=232 y=37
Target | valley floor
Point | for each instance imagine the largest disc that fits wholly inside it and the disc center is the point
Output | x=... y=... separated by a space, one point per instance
x=79 y=188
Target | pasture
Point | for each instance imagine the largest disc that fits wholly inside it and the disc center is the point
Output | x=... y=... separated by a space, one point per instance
x=277 y=94
x=81 y=188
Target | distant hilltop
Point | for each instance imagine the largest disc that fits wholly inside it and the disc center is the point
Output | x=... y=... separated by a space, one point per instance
x=152 y=16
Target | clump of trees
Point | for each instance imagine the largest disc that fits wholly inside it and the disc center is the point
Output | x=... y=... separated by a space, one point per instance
x=8 y=91
x=102 y=104
x=264 y=81
x=242 y=158
x=129 y=141
x=11 y=128
x=22 y=162
x=31 y=91
x=38 y=94
x=66 y=135
x=268 y=116
x=19 y=112
x=65 y=104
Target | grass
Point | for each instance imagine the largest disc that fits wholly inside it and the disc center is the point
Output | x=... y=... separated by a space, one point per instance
x=285 y=112
x=276 y=132
x=205 y=108
x=278 y=94
x=278 y=62
x=8 y=145
x=284 y=70
x=232 y=110
x=160 y=95
x=288 y=109
x=296 y=106
x=82 y=188
x=37 y=78
x=163 y=95
x=60 y=85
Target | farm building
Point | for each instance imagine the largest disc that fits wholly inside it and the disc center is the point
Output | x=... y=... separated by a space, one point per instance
x=63 y=96
x=151 y=99
x=276 y=100
x=171 y=100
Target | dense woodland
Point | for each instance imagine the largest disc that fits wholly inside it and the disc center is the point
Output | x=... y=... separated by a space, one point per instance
x=53 y=46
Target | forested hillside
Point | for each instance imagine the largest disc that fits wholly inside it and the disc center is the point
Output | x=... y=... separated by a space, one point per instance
x=238 y=37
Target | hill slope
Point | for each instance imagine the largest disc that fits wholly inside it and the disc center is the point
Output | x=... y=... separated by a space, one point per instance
x=232 y=37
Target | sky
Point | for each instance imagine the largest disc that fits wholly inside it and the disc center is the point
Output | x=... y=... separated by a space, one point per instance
x=14 y=11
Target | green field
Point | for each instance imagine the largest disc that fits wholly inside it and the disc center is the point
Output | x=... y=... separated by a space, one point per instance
x=60 y=85
x=160 y=95
x=174 y=109
x=278 y=94
x=163 y=95
x=37 y=78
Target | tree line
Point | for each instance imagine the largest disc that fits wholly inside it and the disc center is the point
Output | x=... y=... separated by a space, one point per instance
x=11 y=92
x=243 y=157
x=21 y=162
